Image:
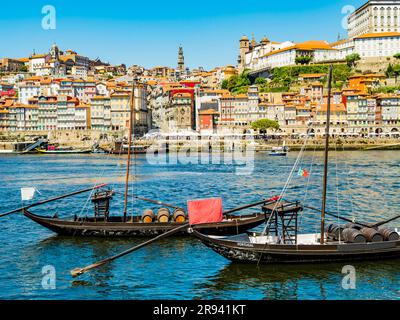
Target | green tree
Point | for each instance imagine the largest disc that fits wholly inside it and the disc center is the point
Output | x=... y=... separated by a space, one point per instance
x=397 y=56
x=224 y=84
x=303 y=60
x=396 y=71
x=237 y=84
x=265 y=124
x=260 y=81
x=389 y=71
x=23 y=69
x=352 y=59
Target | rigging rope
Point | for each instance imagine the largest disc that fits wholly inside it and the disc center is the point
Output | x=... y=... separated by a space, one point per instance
x=85 y=206
x=288 y=181
x=337 y=191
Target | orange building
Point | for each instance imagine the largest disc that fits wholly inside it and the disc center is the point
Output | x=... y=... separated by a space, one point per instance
x=363 y=83
x=208 y=119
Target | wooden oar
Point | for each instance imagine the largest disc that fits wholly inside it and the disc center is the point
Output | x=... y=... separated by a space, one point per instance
x=79 y=271
x=252 y=205
x=351 y=221
x=385 y=222
x=51 y=200
x=337 y=217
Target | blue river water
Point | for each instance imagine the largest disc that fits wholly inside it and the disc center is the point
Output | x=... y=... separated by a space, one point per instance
x=362 y=185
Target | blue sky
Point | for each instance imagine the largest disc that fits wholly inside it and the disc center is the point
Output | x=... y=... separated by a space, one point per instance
x=149 y=33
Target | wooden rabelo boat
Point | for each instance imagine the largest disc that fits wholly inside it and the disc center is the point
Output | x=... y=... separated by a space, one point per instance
x=149 y=223
x=281 y=243
x=136 y=227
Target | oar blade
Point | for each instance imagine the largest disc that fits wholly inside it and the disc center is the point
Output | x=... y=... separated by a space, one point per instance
x=77 y=272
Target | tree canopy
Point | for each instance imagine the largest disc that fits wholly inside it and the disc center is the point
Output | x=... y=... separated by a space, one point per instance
x=397 y=56
x=285 y=77
x=237 y=83
x=260 y=81
x=393 y=71
x=303 y=60
x=265 y=124
x=352 y=59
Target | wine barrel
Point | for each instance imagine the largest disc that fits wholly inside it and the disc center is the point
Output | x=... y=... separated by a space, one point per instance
x=147 y=216
x=179 y=215
x=334 y=232
x=353 y=236
x=389 y=235
x=372 y=235
x=163 y=215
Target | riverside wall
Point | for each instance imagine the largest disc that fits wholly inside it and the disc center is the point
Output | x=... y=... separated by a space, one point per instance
x=86 y=139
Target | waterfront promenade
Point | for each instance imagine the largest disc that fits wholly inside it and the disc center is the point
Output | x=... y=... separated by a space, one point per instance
x=203 y=145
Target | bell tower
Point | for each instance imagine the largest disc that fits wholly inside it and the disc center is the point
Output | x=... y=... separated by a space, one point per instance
x=244 y=48
x=54 y=52
x=181 y=60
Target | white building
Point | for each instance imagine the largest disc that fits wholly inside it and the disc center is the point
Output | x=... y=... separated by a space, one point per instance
x=390 y=109
x=38 y=62
x=373 y=45
x=82 y=117
x=375 y=16
x=27 y=90
x=319 y=51
x=80 y=72
x=374 y=32
x=251 y=52
x=344 y=48
x=100 y=113
x=101 y=89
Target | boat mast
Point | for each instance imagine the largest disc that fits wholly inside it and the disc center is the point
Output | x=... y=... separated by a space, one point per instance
x=128 y=163
x=327 y=133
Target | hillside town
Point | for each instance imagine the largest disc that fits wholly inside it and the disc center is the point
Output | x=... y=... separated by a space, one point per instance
x=285 y=82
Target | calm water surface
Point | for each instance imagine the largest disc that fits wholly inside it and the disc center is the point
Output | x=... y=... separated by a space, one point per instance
x=363 y=185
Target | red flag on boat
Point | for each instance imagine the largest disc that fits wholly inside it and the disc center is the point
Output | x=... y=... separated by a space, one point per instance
x=205 y=211
x=275 y=199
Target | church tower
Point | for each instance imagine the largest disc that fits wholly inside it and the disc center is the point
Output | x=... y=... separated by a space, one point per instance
x=181 y=60
x=244 y=48
x=54 y=52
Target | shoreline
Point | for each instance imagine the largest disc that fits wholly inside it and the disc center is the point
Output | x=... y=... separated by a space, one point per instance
x=226 y=144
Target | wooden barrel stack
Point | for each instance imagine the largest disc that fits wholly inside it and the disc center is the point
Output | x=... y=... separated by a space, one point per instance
x=353 y=236
x=372 y=235
x=164 y=216
x=352 y=233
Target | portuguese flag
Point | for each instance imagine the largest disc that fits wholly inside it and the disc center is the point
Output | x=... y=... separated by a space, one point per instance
x=303 y=173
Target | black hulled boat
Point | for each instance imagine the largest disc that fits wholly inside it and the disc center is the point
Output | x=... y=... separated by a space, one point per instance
x=281 y=243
